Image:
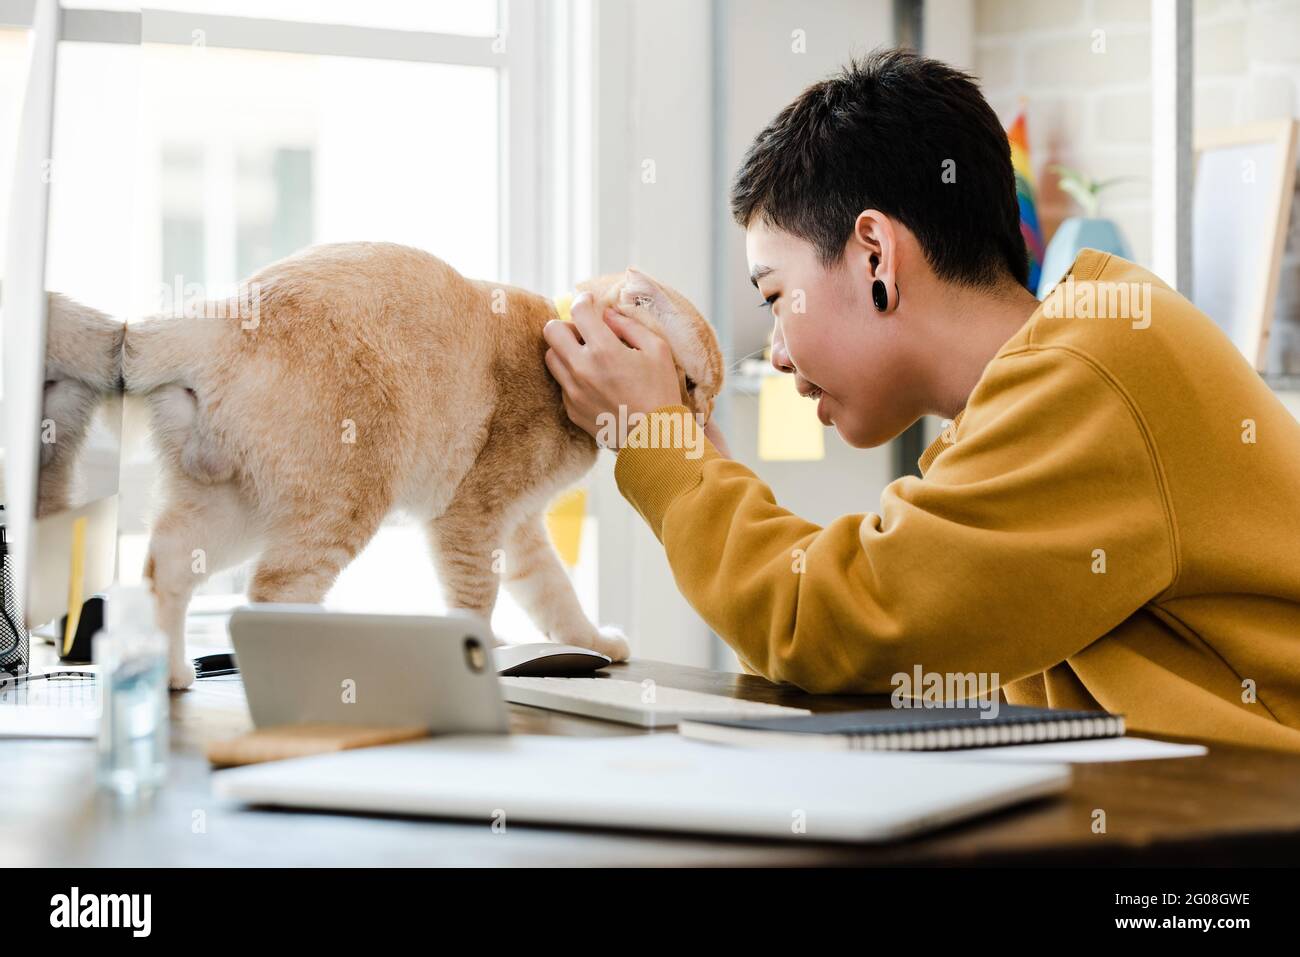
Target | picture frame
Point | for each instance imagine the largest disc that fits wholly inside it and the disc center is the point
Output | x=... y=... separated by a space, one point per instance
x=1241 y=206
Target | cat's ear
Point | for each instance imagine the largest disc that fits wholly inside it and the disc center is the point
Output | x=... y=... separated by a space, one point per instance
x=640 y=290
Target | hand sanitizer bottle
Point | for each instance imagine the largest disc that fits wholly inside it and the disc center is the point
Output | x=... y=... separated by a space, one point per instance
x=131 y=655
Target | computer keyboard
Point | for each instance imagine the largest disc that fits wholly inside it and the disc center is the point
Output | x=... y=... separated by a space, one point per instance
x=643 y=703
x=64 y=688
x=64 y=706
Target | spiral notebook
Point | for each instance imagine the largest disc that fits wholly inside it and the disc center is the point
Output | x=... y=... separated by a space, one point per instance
x=909 y=729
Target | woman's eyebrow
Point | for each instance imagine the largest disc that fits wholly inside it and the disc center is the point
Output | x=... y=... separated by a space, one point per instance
x=758 y=272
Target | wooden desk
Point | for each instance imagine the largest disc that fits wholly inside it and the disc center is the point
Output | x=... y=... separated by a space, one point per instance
x=1233 y=806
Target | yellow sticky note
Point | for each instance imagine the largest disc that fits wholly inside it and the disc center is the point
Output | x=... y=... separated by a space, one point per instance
x=564 y=306
x=788 y=427
x=564 y=523
x=76 y=582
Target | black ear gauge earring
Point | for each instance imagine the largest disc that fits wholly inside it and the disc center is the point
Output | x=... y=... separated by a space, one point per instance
x=879 y=296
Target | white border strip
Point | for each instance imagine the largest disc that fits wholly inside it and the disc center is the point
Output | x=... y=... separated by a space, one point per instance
x=319 y=39
x=272 y=36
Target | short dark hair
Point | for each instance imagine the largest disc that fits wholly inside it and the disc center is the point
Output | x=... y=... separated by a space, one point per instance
x=879 y=135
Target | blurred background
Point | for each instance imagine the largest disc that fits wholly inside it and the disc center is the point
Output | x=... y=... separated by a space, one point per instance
x=539 y=143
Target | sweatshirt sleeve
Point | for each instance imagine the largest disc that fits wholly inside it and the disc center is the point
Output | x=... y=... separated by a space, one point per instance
x=1041 y=529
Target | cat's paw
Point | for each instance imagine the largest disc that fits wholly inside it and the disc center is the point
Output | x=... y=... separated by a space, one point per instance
x=180 y=675
x=607 y=640
x=612 y=642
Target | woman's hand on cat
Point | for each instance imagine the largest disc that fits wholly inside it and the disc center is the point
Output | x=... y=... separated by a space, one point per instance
x=607 y=363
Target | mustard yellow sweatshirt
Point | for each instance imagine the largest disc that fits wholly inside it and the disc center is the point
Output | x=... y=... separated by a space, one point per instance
x=1113 y=522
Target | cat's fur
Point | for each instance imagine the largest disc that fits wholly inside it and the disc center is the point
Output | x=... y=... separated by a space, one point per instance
x=372 y=378
x=83 y=349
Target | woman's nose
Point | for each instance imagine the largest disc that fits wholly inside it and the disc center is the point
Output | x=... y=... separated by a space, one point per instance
x=780 y=358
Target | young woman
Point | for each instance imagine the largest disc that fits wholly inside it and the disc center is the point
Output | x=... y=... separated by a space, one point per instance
x=1110 y=521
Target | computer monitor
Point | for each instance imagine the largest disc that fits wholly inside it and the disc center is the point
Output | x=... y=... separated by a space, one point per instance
x=60 y=427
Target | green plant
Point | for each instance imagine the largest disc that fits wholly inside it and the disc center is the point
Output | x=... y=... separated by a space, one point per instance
x=1083 y=189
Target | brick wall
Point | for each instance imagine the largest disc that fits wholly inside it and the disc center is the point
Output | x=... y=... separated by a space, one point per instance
x=1091 y=110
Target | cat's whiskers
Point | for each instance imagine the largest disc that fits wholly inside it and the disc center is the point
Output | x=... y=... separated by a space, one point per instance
x=734 y=367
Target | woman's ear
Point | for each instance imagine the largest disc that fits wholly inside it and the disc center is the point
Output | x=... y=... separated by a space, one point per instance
x=873 y=233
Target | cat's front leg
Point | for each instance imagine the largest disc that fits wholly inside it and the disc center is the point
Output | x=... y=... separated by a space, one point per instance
x=537 y=581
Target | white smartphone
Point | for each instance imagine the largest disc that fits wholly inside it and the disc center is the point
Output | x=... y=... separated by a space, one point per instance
x=302 y=664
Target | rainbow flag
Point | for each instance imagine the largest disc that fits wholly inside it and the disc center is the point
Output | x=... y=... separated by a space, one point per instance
x=1018 y=136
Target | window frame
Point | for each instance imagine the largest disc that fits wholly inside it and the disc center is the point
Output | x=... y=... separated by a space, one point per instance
x=532 y=251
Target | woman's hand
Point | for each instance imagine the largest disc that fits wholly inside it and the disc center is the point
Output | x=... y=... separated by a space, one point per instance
x=609 y=363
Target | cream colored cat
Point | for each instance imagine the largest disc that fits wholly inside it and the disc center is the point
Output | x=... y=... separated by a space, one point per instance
x=363 y=378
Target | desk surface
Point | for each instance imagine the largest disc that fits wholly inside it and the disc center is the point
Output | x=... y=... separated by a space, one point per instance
x=1234 y=805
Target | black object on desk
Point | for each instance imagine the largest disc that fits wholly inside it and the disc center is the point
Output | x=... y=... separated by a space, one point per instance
x=90 y=623
x=210 y=666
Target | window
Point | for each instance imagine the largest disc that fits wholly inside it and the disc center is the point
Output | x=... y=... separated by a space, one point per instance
x=233 y=141
x=248 y=156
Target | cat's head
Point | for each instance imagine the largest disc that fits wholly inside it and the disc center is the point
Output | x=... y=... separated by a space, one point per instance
x=668 y=313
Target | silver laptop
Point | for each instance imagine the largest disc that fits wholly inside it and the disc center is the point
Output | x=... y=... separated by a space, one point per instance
x=303 y=664
x=658 y=782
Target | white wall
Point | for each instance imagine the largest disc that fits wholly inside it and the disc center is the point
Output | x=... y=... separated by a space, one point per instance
x=651 y=106
x=687 y=85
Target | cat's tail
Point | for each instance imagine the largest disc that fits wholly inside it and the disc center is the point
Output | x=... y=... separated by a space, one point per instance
x=82 y=344
x=166 y=350
x=162 y=361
